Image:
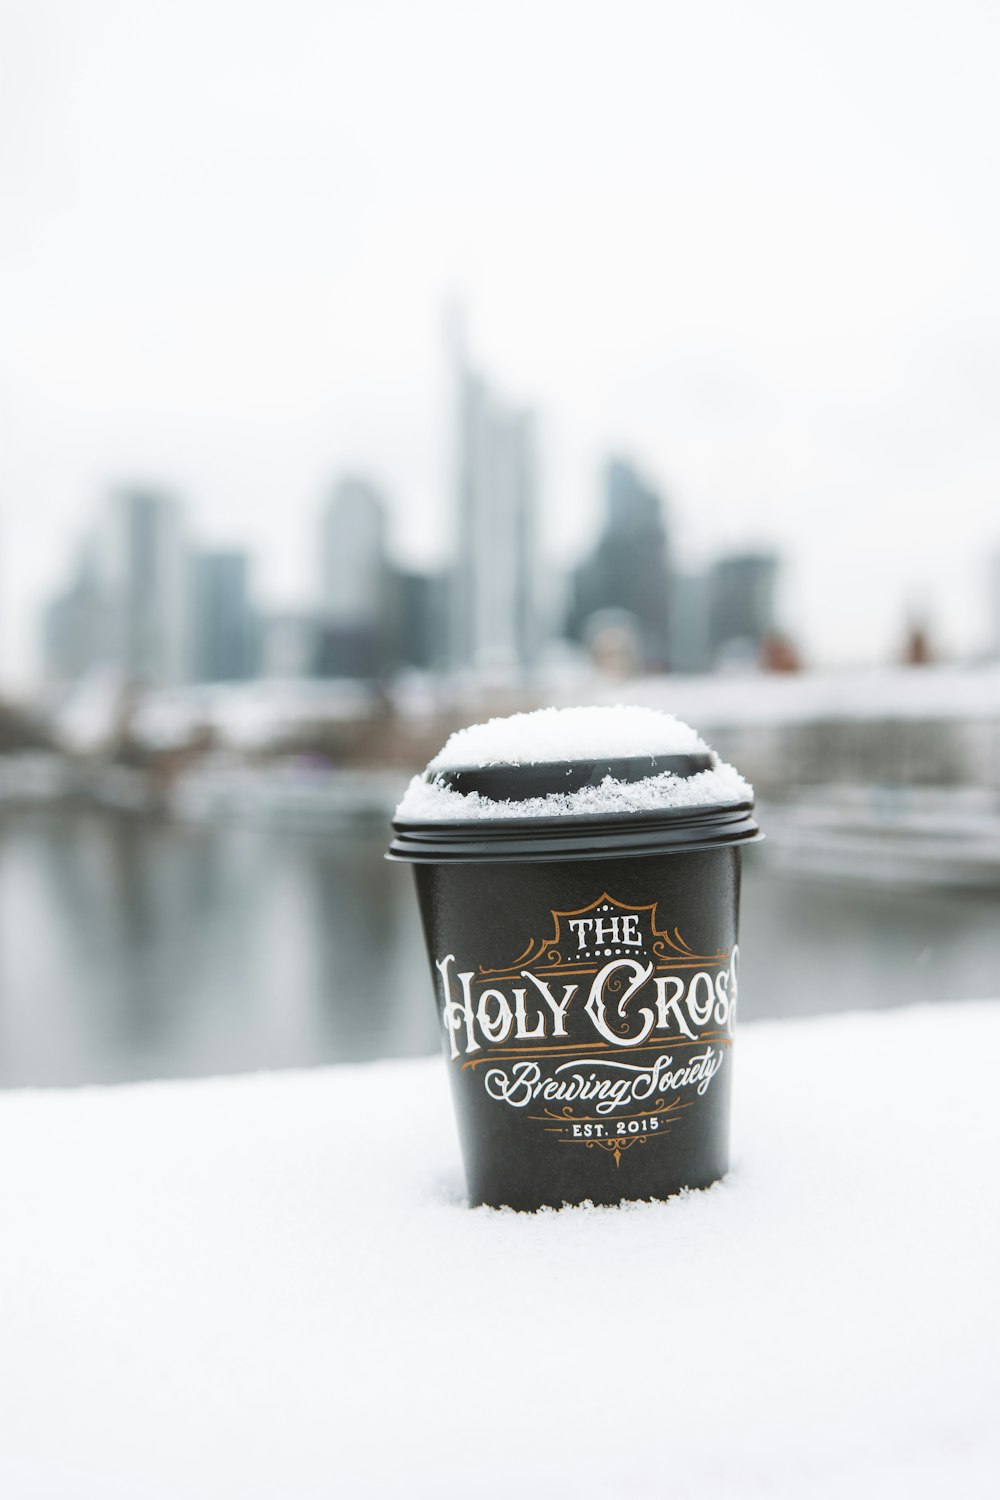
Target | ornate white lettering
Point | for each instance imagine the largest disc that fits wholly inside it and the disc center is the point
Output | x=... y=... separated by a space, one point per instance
x=597 y=1010
x=557 y=1007
x=495 y=1028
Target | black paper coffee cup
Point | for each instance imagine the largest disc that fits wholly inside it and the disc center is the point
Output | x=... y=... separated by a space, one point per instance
x=586 y=972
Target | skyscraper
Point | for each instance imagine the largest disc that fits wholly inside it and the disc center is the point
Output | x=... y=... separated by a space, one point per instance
x=78 y=622
x=288 y=643
x=222 y=627
x=495 y=627
x=690 y=601
x=741 y=604
x=629 y=568
x=354 y=553
x=143 y=567
x=419 y=619
x=354 y=581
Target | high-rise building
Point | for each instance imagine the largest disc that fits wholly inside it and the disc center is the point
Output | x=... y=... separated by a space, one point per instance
x=126 y=603
x=690 y=600
x=494 y=605
x=353 y=553
x=629 y=568
x=78 y=623
x=222 y=624
x=354 y=582
x=741 y=605
x=289 y=644
x=419 y=620
x=143 y=566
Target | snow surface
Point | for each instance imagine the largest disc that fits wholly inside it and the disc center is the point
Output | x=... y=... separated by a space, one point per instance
x=270 y=1287
x=550 y=734
x=553 y=734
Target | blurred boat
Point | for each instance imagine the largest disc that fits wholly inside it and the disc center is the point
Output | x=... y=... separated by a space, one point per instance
x=888 y=835
x=35 y=776
x=42 y=778
x=300 y=793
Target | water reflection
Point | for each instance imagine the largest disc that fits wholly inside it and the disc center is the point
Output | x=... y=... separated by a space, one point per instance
x=137 y=949
x=810 y=945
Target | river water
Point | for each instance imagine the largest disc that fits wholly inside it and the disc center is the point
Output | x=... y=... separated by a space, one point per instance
x=134 y=949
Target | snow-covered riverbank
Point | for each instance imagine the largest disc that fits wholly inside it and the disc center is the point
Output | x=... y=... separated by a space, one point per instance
x=269 y=1287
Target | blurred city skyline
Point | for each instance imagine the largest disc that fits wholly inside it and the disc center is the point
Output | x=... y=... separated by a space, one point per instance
x=144 y=603
x=754 y=253
x=690 y=636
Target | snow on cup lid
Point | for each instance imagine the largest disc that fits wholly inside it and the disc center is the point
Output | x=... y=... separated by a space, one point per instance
x=562 y=734
x=569 y=763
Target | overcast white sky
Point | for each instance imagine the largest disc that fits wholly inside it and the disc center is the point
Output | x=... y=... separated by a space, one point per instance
x=755 y=245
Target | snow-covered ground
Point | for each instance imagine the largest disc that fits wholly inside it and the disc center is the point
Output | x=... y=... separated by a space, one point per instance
x=270 y=1287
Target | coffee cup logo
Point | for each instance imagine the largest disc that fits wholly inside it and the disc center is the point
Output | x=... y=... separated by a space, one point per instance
x=602 y=1031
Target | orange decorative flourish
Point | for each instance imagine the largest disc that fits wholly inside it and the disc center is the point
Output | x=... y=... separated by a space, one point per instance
x=566 y=1113
x=665 y=943
x=532 y=1051
x=616 y=1144
x=523 y=959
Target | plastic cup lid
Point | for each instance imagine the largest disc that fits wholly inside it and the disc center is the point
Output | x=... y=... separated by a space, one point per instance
x=518 y=783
